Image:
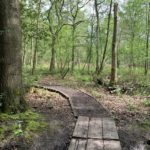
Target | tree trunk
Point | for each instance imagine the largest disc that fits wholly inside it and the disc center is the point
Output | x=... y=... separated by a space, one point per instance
x=132 y=64
x=73 y=48
x=107 y=37
x=114 y=49
x=52 y=62
x=11 y=90
x=147 y=39
x=91 y=47
x=31 y=56
x=118 y=46
x=97 y=36
x=24 y=52
x=36 y=40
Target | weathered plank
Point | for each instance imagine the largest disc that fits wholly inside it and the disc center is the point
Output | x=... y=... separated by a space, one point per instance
x=112 y=145
x=95 y=128
x=81 y=128
x=77 y=144
x=109 y=129
x=94 y=144
x=73 y=144
x=82 y=144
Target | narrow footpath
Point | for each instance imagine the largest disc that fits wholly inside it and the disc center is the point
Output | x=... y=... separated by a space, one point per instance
x=95 y=129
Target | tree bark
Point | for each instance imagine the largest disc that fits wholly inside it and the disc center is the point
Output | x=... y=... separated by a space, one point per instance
x=107 y=37
x=24 y=52
x=36 y=40
x=132 y=63
x=97 y=35
x=11 y=90
x=147 y=40
x=53 y=52
x=114 y=49
x=73 y=48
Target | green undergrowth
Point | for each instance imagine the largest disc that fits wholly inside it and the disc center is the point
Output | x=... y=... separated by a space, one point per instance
x=134 y=81
x=147 y=103
x=30 y=79
x=145 y=124
x=27 y=125
x=83 y=77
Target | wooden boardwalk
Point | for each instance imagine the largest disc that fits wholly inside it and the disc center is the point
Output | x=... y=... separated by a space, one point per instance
x=95 y=134
x=94 y=130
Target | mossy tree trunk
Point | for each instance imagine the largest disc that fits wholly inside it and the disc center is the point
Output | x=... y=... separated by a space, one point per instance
x=11 y=93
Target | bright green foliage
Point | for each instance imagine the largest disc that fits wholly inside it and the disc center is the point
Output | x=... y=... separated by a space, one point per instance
x=131 y=43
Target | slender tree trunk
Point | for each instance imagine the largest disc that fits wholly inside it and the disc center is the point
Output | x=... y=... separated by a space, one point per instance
x=34 y=56
x=118 y=46
x=114 y=49
x=24 y=52
x=73 y=48
x=147 y=40
x=53 y=52
x=11 y=90
x=97 y=36
x=36 y=40
x=132 y=64
x=31 y=56
x=107 y=37
x=91 y=47
x=78 y=59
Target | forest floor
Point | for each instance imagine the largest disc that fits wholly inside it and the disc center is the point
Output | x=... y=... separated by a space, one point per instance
x=55 y=112
x=58 y=114
x=131 y=114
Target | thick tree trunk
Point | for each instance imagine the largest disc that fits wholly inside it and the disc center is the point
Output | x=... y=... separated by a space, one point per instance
x=114 y=49
x=11 y=94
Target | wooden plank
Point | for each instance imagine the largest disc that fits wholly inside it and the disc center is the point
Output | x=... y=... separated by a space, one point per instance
x=73 y=108
x=82 y=145
x=73 y=144
x=77 y=144
x=94 y=144
x=81 y=128
x=109 y=129
x=112 y=145
x=95 y=128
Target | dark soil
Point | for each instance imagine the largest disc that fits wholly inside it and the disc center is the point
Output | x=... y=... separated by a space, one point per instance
x=57 y=113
